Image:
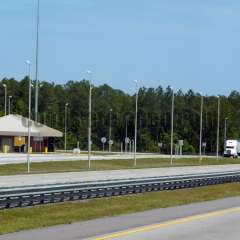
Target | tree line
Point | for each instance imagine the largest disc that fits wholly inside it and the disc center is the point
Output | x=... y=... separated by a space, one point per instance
x=154 y=115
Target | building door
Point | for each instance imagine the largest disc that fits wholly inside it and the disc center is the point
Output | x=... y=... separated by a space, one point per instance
x=51 y=145
x=7 y=141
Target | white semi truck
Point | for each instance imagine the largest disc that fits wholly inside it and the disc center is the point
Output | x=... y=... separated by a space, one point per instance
x=232 y=148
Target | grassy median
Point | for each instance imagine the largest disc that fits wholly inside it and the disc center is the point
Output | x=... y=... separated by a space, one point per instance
x=68 y=166
x=65 y=213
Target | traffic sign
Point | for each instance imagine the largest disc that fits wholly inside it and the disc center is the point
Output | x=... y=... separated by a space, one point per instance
x=160 y=144
x=180 y=142
x=103 y=140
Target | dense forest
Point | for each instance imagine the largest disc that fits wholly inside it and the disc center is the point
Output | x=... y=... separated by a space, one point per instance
x=154 y=119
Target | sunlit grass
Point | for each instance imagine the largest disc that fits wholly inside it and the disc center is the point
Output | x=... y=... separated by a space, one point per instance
x=68 y=166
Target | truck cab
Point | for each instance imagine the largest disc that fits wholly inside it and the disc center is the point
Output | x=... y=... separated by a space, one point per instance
x=232 y=148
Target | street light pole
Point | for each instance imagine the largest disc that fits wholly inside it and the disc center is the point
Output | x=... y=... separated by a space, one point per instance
x=126 y=136
x=90 y=126
x=65 y=135
x=110 y=130
x=172 y=121
x=29 y=114
x=37 y=53
x=218 y=125
x=89 y=121
x=9 y=104
x=200 y=135
x=5 y=99
x=136 y=118
x=225 y=131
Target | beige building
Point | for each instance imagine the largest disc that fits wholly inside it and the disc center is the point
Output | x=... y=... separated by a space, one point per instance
x=14 y=132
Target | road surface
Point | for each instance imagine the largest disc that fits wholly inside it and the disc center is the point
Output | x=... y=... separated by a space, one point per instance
x=220 y=225
x=206 y=221
x=95 y=176
x=13 y=158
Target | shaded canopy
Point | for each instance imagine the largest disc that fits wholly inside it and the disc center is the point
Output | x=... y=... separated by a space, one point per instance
x=17 y=125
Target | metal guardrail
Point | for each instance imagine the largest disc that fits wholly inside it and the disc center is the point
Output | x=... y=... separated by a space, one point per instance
x=38 y=195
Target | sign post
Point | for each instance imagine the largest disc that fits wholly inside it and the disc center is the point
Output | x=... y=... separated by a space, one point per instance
x=204 y=145
x=180 y=143
x=160 y=145
x=127 y=141
x=103 y=140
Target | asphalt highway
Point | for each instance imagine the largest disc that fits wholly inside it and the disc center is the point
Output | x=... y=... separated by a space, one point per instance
x=95 y=176
x=13 y=158
x=220 y=225
x=206 y=221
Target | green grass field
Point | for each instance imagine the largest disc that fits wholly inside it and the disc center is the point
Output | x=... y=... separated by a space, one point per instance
x=13 y=220
x=66 y=166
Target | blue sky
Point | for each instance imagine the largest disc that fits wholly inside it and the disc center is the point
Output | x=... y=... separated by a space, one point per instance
x=185 y=44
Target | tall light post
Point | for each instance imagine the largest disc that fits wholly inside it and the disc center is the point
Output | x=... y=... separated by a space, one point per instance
x=110 y=131
x=126 y=135
x=172 y=122
x=218 y=125
x=5 y=98
x=200 y=134
x=65 y=135
x=225 y=130
x=89 y=120
x=37 y=54
x=9 y=104
x=28 y=63
x=136 y=118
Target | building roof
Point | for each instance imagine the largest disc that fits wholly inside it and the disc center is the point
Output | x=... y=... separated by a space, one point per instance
x=17 y=125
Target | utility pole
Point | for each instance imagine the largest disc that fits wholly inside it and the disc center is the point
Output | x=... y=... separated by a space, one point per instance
x=37 y=55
